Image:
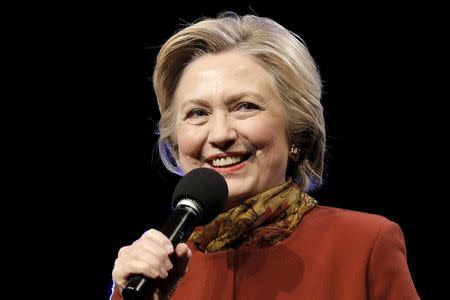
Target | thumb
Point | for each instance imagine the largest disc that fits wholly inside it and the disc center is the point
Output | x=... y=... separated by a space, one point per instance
x=180 y=260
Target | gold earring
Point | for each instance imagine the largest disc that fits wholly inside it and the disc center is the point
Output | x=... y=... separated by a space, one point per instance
x=294 y=153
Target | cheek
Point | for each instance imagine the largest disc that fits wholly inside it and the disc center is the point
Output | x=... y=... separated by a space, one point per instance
x=189 y=140
x=270 y=140
x=268 y=135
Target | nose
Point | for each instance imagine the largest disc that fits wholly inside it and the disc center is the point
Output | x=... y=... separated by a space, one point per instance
x=222 y=133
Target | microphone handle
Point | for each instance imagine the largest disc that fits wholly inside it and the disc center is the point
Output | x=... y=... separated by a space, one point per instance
x=178 y=228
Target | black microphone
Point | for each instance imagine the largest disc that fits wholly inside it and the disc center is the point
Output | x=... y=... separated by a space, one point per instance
x=198 y=198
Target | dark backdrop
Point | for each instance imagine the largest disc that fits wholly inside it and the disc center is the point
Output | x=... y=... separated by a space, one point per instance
x=377 y=97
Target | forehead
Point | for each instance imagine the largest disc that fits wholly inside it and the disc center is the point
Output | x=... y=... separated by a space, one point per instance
x=233 y=72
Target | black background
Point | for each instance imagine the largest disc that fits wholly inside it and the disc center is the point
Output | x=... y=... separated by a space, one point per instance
x=378 y=65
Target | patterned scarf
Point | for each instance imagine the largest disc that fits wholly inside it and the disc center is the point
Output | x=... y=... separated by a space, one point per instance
x=261 y=221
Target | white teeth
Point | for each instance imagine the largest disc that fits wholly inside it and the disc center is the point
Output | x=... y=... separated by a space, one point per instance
x=226 y=161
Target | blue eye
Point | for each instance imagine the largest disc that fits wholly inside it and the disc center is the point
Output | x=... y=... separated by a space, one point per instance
x=196 y=113
x=246 y=106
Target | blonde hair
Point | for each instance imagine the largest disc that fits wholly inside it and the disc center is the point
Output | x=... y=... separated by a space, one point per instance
x=281 y=52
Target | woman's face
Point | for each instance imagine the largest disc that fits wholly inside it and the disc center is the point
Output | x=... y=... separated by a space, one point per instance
x=230 y=119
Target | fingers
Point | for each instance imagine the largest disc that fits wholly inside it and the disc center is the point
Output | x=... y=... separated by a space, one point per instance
x=148 y=256
x=162 y=255
x=160 y=239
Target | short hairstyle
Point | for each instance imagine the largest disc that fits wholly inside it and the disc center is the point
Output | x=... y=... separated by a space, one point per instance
x=281 y=52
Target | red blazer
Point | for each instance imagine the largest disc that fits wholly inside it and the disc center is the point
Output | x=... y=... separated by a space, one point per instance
x=333 y=254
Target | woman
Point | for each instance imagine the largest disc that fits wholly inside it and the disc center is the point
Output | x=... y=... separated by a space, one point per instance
x=241 y=95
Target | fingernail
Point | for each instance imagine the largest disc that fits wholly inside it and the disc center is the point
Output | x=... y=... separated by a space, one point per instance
x=168 y=264
x=189 y=253
x=169 y=248
x=163 y=273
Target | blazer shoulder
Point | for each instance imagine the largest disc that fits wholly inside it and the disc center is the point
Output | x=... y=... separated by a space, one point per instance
x=348 y=220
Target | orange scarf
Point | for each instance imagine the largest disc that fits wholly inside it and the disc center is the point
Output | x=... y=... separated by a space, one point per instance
x=261 y=221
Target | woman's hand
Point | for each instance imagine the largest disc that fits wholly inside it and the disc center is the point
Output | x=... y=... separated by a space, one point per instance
x=149 y=256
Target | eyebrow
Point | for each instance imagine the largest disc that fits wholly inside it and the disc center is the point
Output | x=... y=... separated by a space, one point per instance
x=230 y=99
x=200 y=102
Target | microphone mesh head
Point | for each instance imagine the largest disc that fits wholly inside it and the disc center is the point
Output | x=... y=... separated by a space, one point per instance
x=205 y=186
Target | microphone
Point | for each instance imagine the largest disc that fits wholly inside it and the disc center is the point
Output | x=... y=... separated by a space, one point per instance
x=197 y=199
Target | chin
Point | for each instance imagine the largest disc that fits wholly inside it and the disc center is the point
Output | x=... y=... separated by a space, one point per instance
x=234 y=199
x=230 y=204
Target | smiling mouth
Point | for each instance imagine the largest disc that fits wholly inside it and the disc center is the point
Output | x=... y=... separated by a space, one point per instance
x=228 y=161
